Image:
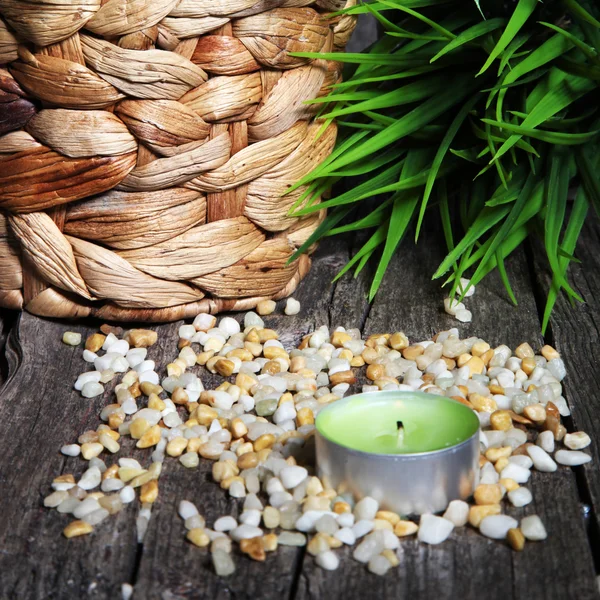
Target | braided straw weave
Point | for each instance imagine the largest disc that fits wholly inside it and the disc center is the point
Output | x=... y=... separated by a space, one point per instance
x=145 y=147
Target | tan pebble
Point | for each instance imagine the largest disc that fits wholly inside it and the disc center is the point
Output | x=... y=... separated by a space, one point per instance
x=479 y=512
x=357 y=361
x=549 y=353
x=138 y=428
x=174 y=370
x=501 y=464
x=89 y=451
x=450 y=363
x=487 y=356
x=501 y=420
x=266 y=334
x=66 y=478
x=176 y=446
x=405 y=528
x=265 y=307
x=339 y=338
x=150 y=438
x=155 y=403
x=77 y=528
x=560 y=433
x=248 y=460
x=194 y=444
x=388 y=515
x=516 y=539
x=269 y=542
x=222 y=470
x=198 y=537
x=413 y=352
x=205 y=415
x=488 y=493
x=264 y=441
x=524 y=351
x=521 y=419
x=482 y=460
x=305 y=416
x=476 y=365
x=109 y=442
x=391 y=556
x=483 y=403
x=315 y=487
x=318 y=544
x=479 y=348
x=111 y=472
x=244 y=448
x=382 y=524
x=528 y=365
x=95 y=342
x=271 y=517
x=535 y=412
x=496 y=389
x=179 y=396
x=150 y=388
x=508 y=484
x=463 y=359
x=149 y=492
x=141 y=338
x=254 y=548
x=398 y=341
x=375 y=371
x=116 y=419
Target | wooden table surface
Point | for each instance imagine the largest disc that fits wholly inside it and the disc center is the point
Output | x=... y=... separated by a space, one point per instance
x=40 y=411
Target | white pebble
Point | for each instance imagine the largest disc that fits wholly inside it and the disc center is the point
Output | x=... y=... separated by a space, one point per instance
x=464 y=316
x=366 y=508
x=451 y=305
x=545 y=440
x=250 y=517
x=327 y=560
x=379 y=565
x=127 y=494
x=533 y=529
x=361 y=528
x=292 y=307
x=89 y=356
x=292 y=476
x=464 y=285
x=186 y=332
x=577 y=440
x=513 y=471
x=90 y=479
x=204 y=322
x=434 y=530
x=126 y=591
x=497 y=526
x=520 y=497
x=89 y=377
x=572 y=458
x=120 y=347
x=92 y=389
x=242 y=532
x=371 y=546
x=225 y=524
x=457 y=512
x=149 y=376
x=542 y=461
x=229 y=326
x=111 y=338
x=346 y=536
x=290 y=538
x=345 y=519
x=521 y=460
x=71 y=450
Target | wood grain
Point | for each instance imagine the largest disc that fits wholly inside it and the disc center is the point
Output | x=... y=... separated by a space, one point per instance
x=575 y=331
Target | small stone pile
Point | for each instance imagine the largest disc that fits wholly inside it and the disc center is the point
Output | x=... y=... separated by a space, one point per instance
x=257 y=428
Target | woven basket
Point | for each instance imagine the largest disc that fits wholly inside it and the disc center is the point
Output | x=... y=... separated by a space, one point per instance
x=145 y=148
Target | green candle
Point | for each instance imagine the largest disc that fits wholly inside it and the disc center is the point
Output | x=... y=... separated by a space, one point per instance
x=408 y=423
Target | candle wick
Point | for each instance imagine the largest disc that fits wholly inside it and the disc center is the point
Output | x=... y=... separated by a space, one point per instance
x=400 y=440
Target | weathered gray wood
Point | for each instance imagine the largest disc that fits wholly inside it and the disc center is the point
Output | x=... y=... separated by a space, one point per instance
x=574 y=331
x=469 y=565
x=39 y=412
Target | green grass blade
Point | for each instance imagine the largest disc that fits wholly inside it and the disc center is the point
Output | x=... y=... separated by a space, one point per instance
x=523 y=11
x=580 y=12
x=588 y=50
x=404 y=8
x=469 y=35
x=550 y=137
x=440 y=155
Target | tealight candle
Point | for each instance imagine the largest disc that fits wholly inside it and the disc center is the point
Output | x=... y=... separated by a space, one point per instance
x=411 y=451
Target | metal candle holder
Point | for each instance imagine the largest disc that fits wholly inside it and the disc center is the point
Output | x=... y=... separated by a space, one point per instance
x=405 y=483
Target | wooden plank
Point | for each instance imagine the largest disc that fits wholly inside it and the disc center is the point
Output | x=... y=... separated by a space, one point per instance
x=469 y=565
x=39 y=412
x=7 y=321
x=574 y=331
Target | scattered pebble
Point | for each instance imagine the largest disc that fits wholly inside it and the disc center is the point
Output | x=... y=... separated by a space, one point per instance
x=254 y=426
x=71 y=338
x=533 y=529
x=292 y=307
x=434 y=530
